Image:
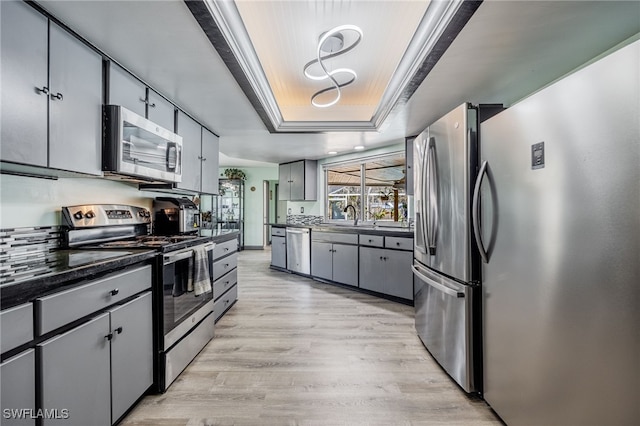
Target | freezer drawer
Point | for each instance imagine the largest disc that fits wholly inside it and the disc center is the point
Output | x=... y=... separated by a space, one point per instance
x=444 y=322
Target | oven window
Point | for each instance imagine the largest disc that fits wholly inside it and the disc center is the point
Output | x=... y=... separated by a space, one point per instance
x=179 y=300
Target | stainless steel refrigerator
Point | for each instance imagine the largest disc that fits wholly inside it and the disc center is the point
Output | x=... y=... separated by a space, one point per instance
x=446 y=266
x=559 y=208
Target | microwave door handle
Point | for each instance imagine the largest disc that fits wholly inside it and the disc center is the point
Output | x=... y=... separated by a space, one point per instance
x=171 y=160
x=475 y=213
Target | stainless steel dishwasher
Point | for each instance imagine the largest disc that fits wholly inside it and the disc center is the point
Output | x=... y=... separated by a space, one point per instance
x=299 y=250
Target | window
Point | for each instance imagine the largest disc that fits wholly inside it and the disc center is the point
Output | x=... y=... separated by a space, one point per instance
x=374 y=186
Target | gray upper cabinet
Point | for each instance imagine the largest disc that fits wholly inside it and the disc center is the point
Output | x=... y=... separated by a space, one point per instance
x=51 y=94
x=75 y=106
x=210 y=159
x=131 y=353
x=161 y=111
x=131 y=93
x=200 y=153
x=191 y=133
x=126 y=90
x=25 y=84
x=297 y=181
x=74 y=374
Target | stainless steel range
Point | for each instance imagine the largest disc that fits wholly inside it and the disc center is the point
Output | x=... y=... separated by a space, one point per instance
x=183 y=297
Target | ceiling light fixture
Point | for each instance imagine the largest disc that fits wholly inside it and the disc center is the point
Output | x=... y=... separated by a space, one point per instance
x=332 y=152
x=332 y=44
x=358 y=148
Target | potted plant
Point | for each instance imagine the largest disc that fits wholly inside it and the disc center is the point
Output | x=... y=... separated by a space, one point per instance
x=235 y=174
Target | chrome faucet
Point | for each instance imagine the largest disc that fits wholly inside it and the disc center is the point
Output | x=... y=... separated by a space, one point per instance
x=355 y=214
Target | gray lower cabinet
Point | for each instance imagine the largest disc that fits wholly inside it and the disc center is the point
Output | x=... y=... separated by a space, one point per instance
x=335 y=262
x=18 y=389
x=278 y=251
x=386 y=271
x=131 y=353
x=225 y=276
x=99 y=369
x=75 y=376
x=51 y=94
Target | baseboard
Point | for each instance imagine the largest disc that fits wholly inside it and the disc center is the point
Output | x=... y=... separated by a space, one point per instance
x=253 y=248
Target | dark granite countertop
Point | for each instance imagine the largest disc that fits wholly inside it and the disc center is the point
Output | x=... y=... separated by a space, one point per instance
x=65 y=268
x=61 y=269
x=391 y=231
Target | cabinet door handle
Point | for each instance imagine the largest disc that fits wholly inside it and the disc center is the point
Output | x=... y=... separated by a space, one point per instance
x=109 y=336
x=114 y=291
x=152 y=105
x=118 y=330
x=203 y=158
x=57 y=96
x=44 y=90
x=381 y=258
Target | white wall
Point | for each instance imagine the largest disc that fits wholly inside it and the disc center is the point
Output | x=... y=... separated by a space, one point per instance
x=26 y=201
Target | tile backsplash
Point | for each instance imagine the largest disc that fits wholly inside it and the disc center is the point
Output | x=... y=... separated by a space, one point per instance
x=301 y=219
x=24 y=252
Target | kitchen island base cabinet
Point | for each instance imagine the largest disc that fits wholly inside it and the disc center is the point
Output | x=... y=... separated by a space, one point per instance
x=18 y=388
x=387 y=272
x=92 y=374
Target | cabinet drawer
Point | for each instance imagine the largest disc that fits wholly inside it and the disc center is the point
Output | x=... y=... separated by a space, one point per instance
x=280 y=232
x=334 y=237
x=225 y=302
x=16 y=326
x=224 y=283
x=64 y=307
x=225 y=248
x=399 y=243
x=371 y=240
x=224 y=265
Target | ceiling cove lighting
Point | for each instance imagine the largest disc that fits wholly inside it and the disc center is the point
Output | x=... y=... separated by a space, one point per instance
x=331 y=43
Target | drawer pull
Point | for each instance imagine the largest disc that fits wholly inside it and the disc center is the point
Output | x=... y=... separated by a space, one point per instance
x=398 y=243
x=114 y=291
x=370 y=241
x=226 y=249
x=226 y=265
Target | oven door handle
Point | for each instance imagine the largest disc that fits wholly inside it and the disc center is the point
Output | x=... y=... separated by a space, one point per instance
x=168 y=259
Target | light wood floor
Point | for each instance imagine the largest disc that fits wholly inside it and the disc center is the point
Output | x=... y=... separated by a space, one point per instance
x=293 y=351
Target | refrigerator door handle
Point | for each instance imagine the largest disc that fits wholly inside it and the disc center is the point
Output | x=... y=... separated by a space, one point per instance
x=441 y=287
x=475 y=213
x=433 y=196
x=423 y=176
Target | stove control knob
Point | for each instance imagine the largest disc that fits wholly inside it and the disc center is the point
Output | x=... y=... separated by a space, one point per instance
x=90 y=215
x=77 y=215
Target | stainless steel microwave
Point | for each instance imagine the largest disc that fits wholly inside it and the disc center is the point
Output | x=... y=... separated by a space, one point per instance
x=135 y=146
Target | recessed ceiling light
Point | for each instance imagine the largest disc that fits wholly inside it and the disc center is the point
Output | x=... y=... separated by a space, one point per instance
x=358 y=148
x=332 y=152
